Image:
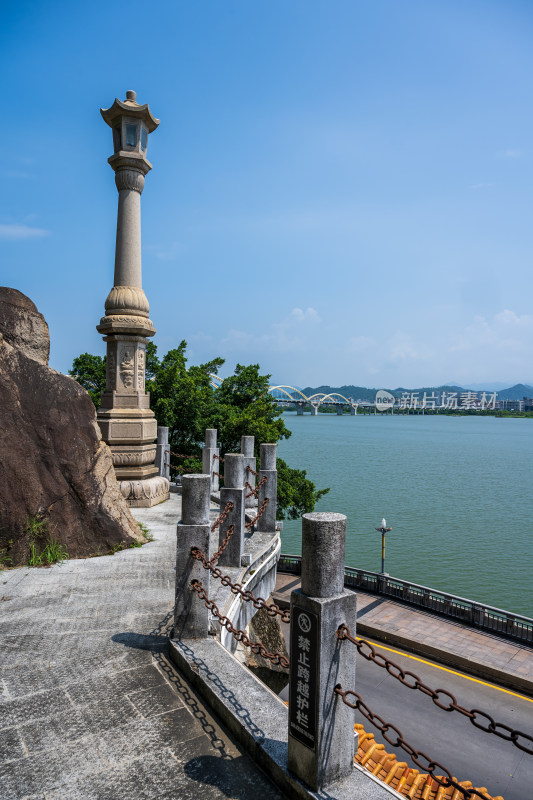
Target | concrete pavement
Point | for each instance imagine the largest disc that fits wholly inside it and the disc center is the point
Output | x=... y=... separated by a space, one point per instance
x=90 y=706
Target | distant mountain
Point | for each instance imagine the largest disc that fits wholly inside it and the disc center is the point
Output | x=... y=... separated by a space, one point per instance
x=517 y=392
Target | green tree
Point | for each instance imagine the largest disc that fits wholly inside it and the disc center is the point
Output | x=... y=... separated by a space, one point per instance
x=184 y=400
x=89 y=371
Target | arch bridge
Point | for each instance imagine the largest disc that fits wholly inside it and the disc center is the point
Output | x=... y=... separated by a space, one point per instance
x=289 y=400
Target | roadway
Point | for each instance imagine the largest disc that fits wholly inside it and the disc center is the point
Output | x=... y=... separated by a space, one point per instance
x=448 y=737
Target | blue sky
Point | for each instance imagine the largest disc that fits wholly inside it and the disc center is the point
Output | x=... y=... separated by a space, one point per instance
x=341 y=191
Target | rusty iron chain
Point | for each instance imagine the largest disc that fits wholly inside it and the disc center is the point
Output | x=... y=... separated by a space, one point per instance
x=224 y=543
x=214 y=472
x=239 y=635
x=254 y=492
x=180 y=455
x=249 y=469
x=417 y=756
x=412 y=681
x=236 y=588
x=259 y=514
x=222 y=516
x=218 y=458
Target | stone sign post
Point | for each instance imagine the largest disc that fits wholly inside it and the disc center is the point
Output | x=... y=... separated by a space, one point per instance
x=127 y=424
x=321 y=726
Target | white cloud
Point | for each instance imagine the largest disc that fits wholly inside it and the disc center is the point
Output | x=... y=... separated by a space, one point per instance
x=16 y=232
x=309 y=315
x=507 y=317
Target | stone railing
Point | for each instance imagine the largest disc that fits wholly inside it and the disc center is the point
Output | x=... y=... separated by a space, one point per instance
x=469 y=612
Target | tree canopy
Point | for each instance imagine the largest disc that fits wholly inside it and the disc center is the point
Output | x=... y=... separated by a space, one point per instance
x=184 y=399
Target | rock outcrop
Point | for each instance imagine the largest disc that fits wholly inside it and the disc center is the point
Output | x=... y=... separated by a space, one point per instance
x=22 y=326
x=53 y=463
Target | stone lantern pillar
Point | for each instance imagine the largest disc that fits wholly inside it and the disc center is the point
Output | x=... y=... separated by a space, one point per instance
x=128 y=425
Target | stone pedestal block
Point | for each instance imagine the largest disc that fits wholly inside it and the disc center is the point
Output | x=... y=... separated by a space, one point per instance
x=232 y=555
x=162 y=453
x=210 y=458
x=191 y=617
x=250 y=463
x=267 y=521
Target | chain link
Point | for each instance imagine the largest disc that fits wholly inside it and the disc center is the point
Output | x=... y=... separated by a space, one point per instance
x=258 y=515
x=254 y=492
x=417 y=756
x=180 y=455
x=224 y=543
x=249 y=469
x=238 y=634
x=412 y=681
x=218 y=458
x=236 y=588
x=222 y=516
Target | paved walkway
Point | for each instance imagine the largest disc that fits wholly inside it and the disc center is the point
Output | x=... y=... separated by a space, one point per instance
x=477 y=652
x=90 y=707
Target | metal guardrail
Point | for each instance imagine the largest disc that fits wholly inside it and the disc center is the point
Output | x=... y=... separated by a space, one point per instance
x=469 y=612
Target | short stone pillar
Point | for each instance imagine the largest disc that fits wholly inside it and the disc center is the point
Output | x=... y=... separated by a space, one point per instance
x=300 y=409
x=191 y=617
x=321 y=726
x=267 y=521
x=233 y=492
x=250 y=463
x=210 y=457
x=162 y=453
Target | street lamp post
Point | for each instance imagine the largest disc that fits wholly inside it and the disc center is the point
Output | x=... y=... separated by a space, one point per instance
x=383 y=530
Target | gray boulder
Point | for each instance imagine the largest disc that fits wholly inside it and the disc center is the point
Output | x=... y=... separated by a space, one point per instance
x=53 y=463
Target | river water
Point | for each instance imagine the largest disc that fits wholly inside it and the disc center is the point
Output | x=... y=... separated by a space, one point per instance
x=457 y=492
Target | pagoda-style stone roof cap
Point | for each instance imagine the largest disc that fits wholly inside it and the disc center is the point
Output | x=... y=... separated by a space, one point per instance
x=129 y=108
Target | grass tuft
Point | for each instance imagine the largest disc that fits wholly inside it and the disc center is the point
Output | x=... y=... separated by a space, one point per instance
x=44 y=549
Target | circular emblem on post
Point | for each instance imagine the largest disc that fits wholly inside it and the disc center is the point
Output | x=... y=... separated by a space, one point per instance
x=304 y=623
x=384 y=400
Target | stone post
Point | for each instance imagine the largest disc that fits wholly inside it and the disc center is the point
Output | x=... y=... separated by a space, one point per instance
x=247 y=449
x=321 y=726
x=267 y=521
x=233 y=492
x=191 y=617
x=210 y=464
x=126 y=422
x=162 y=453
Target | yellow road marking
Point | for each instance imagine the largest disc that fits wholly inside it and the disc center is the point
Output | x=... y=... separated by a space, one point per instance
x=451 y=671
